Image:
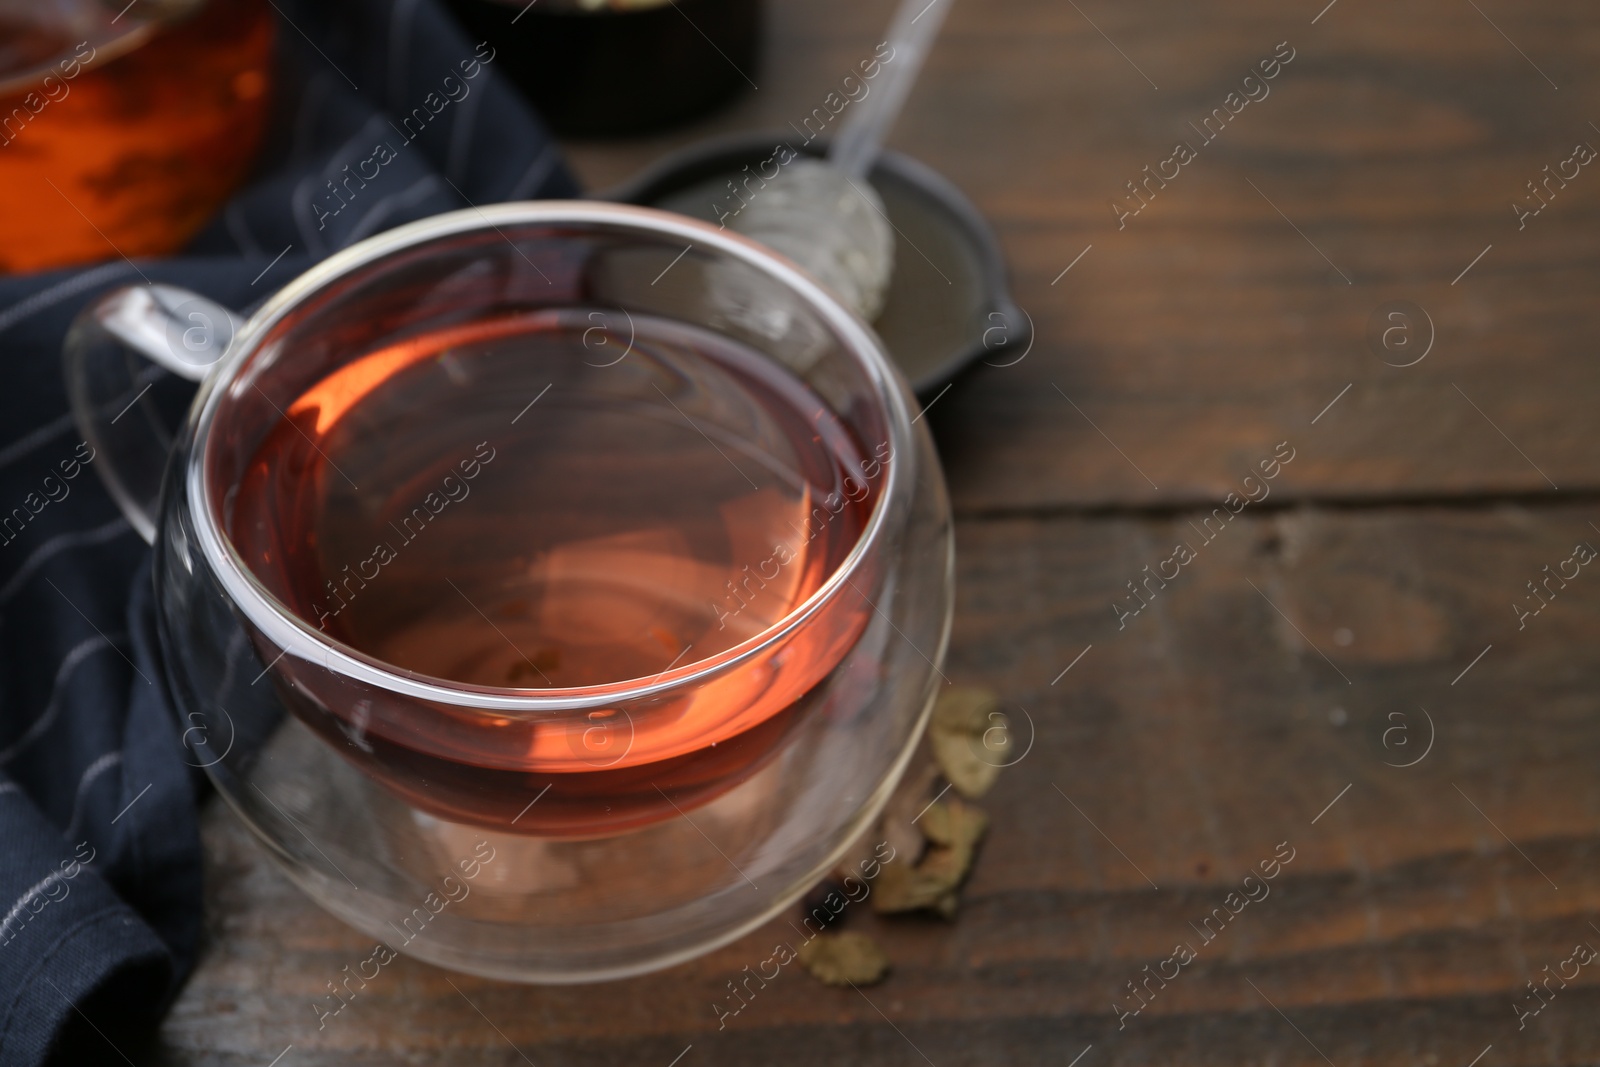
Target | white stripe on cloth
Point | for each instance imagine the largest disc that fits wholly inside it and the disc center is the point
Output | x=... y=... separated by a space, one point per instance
x=59 y=292
x=90 y=775
x=239 y=230
x=69 y=663
x=379 y=212
x=33 y=439
x=27 y=898
x=534 y=174
x=58 y=544
x=463 y=124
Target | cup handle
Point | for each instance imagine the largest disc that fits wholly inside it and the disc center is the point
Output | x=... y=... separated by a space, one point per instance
x=116 y=350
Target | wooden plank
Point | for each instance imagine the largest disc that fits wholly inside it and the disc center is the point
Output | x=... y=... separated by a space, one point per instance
x=1212 y=324
x=1197 y=737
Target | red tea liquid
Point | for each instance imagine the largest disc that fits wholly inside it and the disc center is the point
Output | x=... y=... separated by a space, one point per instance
x=509 y=505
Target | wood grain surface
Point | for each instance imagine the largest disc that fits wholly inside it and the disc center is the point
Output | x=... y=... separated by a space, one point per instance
x=1393 y=145
x=1358 y=619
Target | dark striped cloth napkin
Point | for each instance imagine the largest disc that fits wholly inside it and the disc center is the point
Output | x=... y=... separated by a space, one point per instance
x=100 y=894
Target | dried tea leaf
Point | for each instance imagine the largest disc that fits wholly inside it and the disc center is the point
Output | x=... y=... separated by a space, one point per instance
x=910 y=797
x=956 y=828
x=937 y=825
x=972 y=775
x=964 y=709
x=843 y=959
x=894 y=825
x=905 y=888
x=954 y=824
x=971 y=739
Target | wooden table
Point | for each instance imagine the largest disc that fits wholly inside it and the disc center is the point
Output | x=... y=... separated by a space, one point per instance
x=1361 y=617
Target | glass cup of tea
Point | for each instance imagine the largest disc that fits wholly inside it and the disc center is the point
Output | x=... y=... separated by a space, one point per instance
x=557 y=589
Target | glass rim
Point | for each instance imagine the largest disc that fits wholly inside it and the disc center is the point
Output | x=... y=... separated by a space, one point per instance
x=295 y=636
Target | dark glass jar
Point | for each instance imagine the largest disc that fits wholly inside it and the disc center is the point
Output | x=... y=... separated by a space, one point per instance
x=620 y=67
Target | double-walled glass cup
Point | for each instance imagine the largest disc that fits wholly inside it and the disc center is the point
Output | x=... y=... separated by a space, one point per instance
x=529 y=827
